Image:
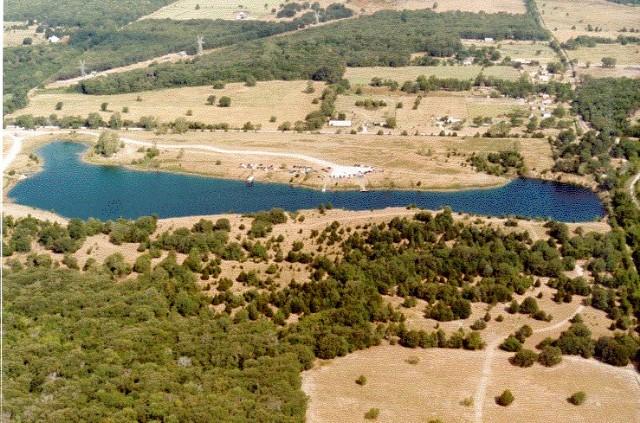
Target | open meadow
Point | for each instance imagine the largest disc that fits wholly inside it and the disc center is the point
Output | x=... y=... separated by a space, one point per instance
x=569 y=19
x=462 y=106
x=624 y=54
x=15 y=37
x=400 y=162
x=410 y=73
x=283 y=99
x=263 y=10
x=437 y=386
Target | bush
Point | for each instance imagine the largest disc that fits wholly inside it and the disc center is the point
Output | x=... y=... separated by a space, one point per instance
x=505 y=399
x=224 y=101
x=524 y=358
x=361 y=380
x=550 y=356
x=108 y=143
x=372 y=414
x=578 y=398
x=511 y=344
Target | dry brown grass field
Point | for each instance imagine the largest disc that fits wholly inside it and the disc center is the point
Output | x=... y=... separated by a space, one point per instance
x=186 y=9
x=435 y=387
x=560 y=16
x=283 y=99
x=14 y=37
x=433 y=106
x=624 y=54
x=410 y=73
x=401 y=162
x=617 y=72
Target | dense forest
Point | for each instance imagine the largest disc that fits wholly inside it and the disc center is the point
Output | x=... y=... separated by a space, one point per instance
x=606 y=103
x=81 y=13
x=385 y=39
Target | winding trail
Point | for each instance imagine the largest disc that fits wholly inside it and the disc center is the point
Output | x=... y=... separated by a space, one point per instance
x=487 y=365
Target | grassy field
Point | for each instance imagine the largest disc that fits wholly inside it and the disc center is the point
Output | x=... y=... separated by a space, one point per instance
x=14 y=37
x=405 y=393
x=560 y=16
x=285 y=100
x=624 y=54
x=363 y=75
x=186 y=9
x=434 y=105
x=401 y=162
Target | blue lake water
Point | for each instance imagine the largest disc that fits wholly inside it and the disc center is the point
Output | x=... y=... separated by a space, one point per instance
x=72 y=188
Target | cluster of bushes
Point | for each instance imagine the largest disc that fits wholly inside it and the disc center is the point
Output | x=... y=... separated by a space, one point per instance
x=438 y=339
x=616 y=350
x=501 y=163
x=371 y=104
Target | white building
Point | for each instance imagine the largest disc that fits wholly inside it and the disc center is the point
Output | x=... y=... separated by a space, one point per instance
x=340 y=123
x=488 y=40
x=53 y=39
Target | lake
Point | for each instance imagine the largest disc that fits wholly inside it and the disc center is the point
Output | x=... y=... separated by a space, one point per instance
x=72 y=188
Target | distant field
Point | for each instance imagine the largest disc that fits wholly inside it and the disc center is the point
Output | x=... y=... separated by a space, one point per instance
x=285 y=100
x=459 y=105
x=564 y=14
x=406 y=392
x=186 y=9
x=14 y=37
x=410 y=73
x=624 y=54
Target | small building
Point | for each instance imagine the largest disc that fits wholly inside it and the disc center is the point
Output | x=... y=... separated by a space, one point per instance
x=242 y=15
x=488 y=40
x=546 y=115
x=468 y=61
x=53 y=39
x=340 y=123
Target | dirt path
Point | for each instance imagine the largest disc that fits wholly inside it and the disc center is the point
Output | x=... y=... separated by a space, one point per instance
x=632 y=190
x=14 y=150
x=487 y=365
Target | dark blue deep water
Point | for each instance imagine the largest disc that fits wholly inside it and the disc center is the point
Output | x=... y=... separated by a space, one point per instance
x=73 y=188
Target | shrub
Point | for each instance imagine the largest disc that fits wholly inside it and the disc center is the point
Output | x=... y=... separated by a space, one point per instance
x=550 y=356
x=224 y=101
x=361 y=380
x=505 y=399
x=372 y=414
x=511 y=344
x=578 y=398
x=524 y=358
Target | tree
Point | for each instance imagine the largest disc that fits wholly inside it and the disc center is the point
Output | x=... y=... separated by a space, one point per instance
x=59 y=105
x=224 y=101
x=104 y=106
x=115 y=122
x=211 y=100
x=609 y=62
x=27 y=41
x=511 y=344
x=116 y=265
x=505 y=399
x=391 y=122
x=372 y=414
x=108 y=143
x=361 y=380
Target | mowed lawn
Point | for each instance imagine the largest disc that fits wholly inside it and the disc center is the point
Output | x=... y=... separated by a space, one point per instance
x=283 y=99
x=410 y=73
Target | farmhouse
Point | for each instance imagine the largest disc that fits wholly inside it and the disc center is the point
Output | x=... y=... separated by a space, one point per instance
x=53 y=39
x=340 y=123
x=488 y=40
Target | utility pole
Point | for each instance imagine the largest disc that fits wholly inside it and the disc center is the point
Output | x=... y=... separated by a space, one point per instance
x=200 y=41
x=83 y=72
